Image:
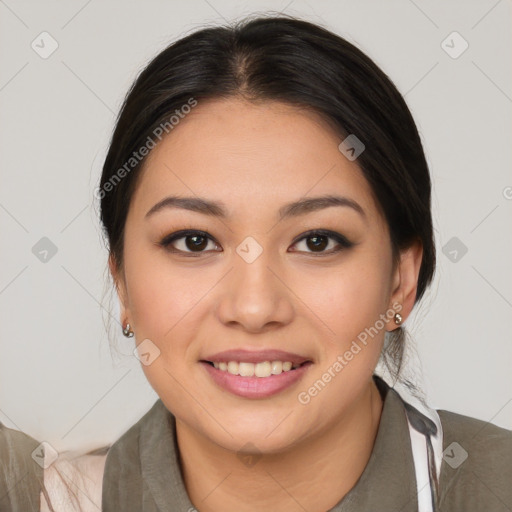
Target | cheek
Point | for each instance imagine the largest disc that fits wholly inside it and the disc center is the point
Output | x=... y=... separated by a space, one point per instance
x=162 y=302
x=162 y=295
x=350 y=298
x=350 y=302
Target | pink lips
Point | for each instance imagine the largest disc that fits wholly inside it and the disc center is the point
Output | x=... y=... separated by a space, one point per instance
x=256 y=387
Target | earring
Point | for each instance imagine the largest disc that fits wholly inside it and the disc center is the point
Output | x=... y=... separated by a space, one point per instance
x=127 y=331
x=398 y=318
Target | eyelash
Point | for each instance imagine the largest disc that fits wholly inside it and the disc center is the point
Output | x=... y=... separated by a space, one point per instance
x=178 y=235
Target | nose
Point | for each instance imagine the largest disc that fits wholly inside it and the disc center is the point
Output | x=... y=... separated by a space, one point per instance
x=255 y=297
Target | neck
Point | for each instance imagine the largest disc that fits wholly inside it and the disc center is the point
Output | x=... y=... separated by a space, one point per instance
x=330 y=463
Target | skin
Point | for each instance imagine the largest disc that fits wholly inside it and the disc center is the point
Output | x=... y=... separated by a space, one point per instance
x=255 y=158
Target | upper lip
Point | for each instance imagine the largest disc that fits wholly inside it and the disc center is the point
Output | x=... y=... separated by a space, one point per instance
x=256 y=356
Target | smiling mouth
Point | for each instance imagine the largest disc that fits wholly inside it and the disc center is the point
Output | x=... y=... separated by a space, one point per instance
x=262 y=369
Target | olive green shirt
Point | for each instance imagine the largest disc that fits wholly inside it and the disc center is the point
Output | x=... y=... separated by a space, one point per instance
x=142 y=470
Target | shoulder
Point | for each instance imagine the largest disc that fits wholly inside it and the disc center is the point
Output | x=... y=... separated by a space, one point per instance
x=483 y=441
x=127 y=447
x=476 y=468
x=20 y=474
x=123 y=482
x=16 y=445
x=124 y=454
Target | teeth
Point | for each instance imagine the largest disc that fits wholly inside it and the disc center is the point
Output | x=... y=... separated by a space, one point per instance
x=277 y=367
x=246 y=369
x=264 y=369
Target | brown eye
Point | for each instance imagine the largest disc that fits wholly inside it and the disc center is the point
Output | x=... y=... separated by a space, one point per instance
x=193 y=241
x=317 y=242
x=187 y=242
x=196 y=242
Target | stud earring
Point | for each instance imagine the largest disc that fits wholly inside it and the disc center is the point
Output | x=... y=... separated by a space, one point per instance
x=398 y=318
x=127 y=331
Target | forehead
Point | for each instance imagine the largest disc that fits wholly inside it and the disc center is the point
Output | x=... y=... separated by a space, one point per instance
x=252 y=157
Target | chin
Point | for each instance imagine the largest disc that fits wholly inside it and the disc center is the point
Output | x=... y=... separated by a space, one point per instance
x=255 y=443
x=271 y=436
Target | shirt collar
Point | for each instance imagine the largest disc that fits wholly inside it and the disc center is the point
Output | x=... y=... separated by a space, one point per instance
x=387 y=484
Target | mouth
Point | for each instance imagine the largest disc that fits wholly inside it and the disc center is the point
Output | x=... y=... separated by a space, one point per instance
x=262 y=369
x=251 y=374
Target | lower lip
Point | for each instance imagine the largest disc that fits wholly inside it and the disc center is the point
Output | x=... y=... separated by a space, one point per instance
x=255 y=387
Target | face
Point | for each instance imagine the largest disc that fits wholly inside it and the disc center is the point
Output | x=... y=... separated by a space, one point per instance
x=260 y=278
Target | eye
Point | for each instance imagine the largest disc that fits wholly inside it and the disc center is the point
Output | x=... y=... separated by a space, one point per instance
x=318 y=240
x=194 y=241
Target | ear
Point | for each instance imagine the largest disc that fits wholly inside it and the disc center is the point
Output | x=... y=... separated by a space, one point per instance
x=405 y=281
x=119 y=282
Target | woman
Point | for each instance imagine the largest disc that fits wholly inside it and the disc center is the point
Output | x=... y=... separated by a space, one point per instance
x=266 y=202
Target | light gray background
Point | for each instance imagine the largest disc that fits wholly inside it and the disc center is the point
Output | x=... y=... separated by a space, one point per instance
x=58 y=379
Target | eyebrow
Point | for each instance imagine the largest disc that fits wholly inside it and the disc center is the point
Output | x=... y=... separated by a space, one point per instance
x=217 y=209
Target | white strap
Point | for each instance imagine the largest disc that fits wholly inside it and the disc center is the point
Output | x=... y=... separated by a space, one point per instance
x=420 y=456
x=419 y=452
